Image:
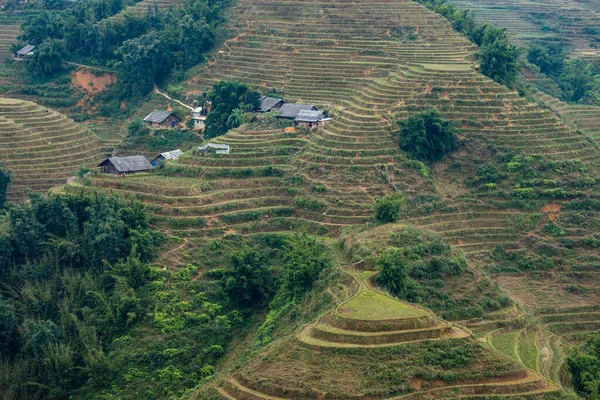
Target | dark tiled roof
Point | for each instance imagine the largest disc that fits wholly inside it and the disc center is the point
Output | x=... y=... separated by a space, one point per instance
x=267 y=103
x=128 y=164
x=25 y=50
x=292 y=110
x=309 y=116
x=157 y=116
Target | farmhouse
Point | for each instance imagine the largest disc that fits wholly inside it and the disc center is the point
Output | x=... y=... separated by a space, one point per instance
x=199 y=117
x=25 y=51
x=162 y=119
x=169 y=155
x=311 y=119
x=291 y=111
x=125 y=165
x=215 y=148
x=268 y=104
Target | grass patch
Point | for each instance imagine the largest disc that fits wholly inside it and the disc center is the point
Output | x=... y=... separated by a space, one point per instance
x=528 y=351
x=373 y=306
x=505 y=343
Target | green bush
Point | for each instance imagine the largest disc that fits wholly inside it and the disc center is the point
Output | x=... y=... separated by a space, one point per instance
x=427 y=136
x=387 y=209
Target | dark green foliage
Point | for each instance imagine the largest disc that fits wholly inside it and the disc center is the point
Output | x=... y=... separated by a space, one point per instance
x=499 y=57
x=304 y=260
x=225 y=97
x=387 y=209
x=5 y=180
x=248 y=282
x=47 y=59
x=427 y=136
x=144 y=48
x=577 y=79
x=584 y=364
x=392 y=274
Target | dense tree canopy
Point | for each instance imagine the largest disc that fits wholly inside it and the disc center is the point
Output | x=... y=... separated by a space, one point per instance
x=5 y=181
x=584 y=364
x=427 y=136
x=577 y=79
x=144 y=48
x=228 y=99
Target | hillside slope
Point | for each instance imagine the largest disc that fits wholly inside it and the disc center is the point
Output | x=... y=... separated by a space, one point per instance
x=518 y=197
x=42 y=147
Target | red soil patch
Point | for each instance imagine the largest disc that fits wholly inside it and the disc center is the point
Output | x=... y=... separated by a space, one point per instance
x=553 y=211
x=91 y=83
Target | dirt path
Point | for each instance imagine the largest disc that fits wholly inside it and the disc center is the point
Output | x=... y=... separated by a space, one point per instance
x=156 y=90
x=90 y=67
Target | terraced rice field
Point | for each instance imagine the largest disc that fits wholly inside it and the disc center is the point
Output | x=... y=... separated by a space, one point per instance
x=344 y=330
x=352 y=61
x=42 y=147
x=8 y=36
x=533 y=20
x=586 y=118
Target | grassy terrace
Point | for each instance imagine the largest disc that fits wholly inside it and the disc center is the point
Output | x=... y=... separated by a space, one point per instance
x=42 y=147
x=389 y=331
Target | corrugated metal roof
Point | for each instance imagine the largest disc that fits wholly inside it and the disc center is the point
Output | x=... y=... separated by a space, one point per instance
x=157 y=116
x=25 y=50
x=129 y=164
x=309 y=116
x=267 y=103
x=292 y=110
x=171 y=155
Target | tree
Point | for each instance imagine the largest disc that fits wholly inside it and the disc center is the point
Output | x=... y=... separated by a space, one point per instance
x=387 y=209
x=249 y=281
x=8 y=324
x=235 y=119
x=392 y=272
x=577 y=80
x=499 y=57
x=225 y=97
x=584 y=364
x=47 y=59
x=141 y=59
x=304 y=261
x=5 y=181
x=427 y=136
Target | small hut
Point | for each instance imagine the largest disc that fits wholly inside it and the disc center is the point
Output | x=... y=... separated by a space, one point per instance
x=25 y=51
x=168 y=155
x=199 y=117
x=125 y=165
x=162 y=119
x=216 y=148
x=310 y=119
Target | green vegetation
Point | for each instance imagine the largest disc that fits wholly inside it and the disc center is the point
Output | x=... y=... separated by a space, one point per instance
x=5 y=180
x=143 y=48
x=387 y=209
x=584 y=364
x=370 y=305
x=427 y=136
x=498 y=56
x=578 y=80
x=228 y=101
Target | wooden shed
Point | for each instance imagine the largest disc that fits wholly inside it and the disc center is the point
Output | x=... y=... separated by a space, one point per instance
x=168 y=155
x=162 y=119
x=125 y=165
